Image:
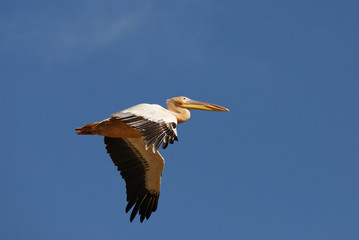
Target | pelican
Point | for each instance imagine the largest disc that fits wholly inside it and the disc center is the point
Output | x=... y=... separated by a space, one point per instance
x=132 y=138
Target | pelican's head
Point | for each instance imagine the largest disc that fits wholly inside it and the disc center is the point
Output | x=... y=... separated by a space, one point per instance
x=185 y=102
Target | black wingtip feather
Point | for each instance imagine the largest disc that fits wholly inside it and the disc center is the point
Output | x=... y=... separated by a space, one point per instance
x=130 y=205
x=135 y=209
x=164 y=144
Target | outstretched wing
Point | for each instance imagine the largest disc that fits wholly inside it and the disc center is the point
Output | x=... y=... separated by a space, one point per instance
x=156 y=124
x=142 y=172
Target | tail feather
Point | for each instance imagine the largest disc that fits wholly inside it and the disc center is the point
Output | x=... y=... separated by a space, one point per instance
x=88 y=129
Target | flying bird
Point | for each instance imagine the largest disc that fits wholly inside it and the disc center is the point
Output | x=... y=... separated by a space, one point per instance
x=132 y=137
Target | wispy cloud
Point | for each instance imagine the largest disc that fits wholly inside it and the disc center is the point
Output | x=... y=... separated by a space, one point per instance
x=98 y=32
x=52 y=37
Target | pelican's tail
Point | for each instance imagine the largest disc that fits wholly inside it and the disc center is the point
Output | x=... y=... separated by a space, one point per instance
x=88 y=129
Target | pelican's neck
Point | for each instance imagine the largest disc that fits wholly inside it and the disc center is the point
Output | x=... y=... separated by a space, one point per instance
x=182 y=114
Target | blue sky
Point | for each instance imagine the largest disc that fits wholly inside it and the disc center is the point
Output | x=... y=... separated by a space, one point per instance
x=282 y=164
